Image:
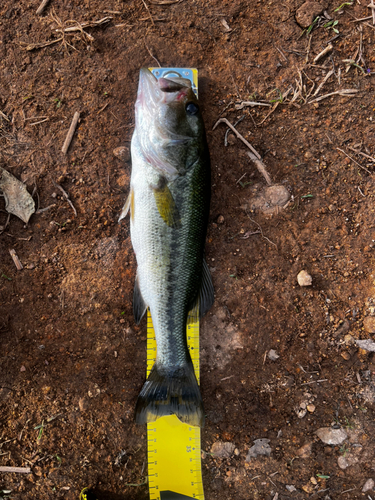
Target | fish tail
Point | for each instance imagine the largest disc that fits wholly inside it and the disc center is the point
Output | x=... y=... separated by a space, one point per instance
x=170 y=393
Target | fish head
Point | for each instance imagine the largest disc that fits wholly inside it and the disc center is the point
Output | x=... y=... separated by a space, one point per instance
x=169 y=124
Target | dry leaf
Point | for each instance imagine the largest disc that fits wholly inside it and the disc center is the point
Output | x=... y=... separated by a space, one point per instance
x=18 y=200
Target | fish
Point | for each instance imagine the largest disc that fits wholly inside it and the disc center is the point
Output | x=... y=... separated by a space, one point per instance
x=169 y=202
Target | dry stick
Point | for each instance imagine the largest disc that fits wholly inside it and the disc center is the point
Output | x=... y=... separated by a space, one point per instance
x=16 y=260
x=66 y=196
x=71 y=131
x=323 y=53
x=24 y=470
x=330 y=73
x=41 y=7
x=4 y=116
x=149 y=13
x=362 y=154
x=348 y=92
x=244 y=104
x=372 y=7
x=154 y=58
x=364 y=168
x=33 y=46
x=255 y=157
x=285 y=94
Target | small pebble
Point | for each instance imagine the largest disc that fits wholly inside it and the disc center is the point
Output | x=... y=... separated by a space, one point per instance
x=304 y=451
x=272 y=354
x=311 y=408
x=222 y=450
x=313 y=480
x=290 y=488
x=369 y=324
x=220 y=219
x=304 y=278
x=22 y=369
x=369 y=485
x=329 y=435
x=342 y=463
x=345 y=355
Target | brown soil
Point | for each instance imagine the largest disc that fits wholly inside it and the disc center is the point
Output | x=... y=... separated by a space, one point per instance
x=72 y=358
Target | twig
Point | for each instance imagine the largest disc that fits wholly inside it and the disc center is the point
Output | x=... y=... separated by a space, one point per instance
x=372 y=7
x=33 y=46
x=244 y=104
x=41 y=7
x=66 y=196
x=24 y=470
x=224 y=120
x=345 y=92
x=228 y=129
x=364 y=168
x=4 y=116
x=16 y=260
x=284 y=95
x=261 y=232
x=261 y=167
x=362 y=154
x=149 y=13
x=70 y=134
x=323 y=53
x=154 y=58
x=362 y=19
x=41 y=121
x=282 y=54
x=88 y=24
x=330 y=73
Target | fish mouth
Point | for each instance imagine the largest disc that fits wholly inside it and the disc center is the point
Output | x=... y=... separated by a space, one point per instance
x=162 y=90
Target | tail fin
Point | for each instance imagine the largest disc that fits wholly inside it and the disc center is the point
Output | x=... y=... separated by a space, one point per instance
x=170 y=393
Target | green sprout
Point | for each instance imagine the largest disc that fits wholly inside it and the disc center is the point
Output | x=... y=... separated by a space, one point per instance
x=312 y=25
x=331 y=25
x=344 y=449
x=343 y=5
x=322 y=476
x=307 y=196
x=2 y=275
x=279 y=99
x=58 y=102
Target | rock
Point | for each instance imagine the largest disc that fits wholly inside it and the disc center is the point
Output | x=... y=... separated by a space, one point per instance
x=122 y=153
x=261 y=447
x=310 y=408
x=369 y=485
x=367 y=345
x=304 y=451
x=369 y=324
x=308 y=11
x=220 y=219
x=308 y=488
x=304 y=279
x=272 y=354
x=271 y=200
x=290 y=488
x=222 y=450
x=331 y=436
x=345 y=355
x=346 y=461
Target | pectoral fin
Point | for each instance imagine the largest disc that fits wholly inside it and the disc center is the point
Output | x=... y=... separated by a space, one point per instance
x=167 y=207
x=129 y=204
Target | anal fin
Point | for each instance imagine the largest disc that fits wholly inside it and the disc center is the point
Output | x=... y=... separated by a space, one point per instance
x=205 y=297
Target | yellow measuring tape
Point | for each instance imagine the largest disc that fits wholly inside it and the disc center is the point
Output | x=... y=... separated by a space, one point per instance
x=174 y=448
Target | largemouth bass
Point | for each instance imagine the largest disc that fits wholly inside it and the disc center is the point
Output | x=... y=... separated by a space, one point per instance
x=169 y=204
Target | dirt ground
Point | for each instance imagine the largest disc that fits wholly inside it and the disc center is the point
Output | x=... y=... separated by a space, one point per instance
x=72 y=359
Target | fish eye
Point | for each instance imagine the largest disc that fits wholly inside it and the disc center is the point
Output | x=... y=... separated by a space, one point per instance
x=191 y=108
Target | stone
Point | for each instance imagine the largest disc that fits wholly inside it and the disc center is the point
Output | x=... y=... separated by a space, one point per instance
x=272 y=354
x=369 y=485
x=308 y=11
x=222 y=449
x=369 y=324
x=304 y=279
x=261 y=447
x=366 y=345
x=329 y=435
x=304 y=451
